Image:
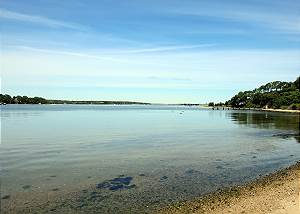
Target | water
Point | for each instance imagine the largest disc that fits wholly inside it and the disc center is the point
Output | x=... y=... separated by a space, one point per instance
x=109 y=159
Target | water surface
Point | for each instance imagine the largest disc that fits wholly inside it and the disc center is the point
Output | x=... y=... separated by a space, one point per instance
x=93 y=158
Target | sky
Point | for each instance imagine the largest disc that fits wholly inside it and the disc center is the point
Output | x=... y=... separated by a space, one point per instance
x=161 y=51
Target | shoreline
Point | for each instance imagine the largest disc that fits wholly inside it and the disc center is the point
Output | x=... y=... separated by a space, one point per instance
x=254 y=109
x=277 y=193
x=281 y=110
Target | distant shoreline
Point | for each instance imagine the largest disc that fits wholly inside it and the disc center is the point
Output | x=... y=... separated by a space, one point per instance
x=274 y=193
x=281 y=110
x=81 y=103
x=254 y=109
x=139 y=103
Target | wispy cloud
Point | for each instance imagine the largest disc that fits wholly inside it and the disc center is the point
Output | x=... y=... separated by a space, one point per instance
x=276 y=20
x=41 y=20
x=70 y=53
x=110 y=55
x=165 y=48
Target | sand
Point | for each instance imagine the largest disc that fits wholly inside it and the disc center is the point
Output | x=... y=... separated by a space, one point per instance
x=276 y=193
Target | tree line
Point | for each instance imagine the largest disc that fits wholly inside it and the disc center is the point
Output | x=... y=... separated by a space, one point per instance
x=276 y=94
x=7 y=99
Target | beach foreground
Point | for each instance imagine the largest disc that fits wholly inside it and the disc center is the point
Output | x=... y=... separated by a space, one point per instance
x=276 y=193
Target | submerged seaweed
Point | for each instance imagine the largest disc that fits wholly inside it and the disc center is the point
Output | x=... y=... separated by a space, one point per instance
x=6 y=197
x=118 y=183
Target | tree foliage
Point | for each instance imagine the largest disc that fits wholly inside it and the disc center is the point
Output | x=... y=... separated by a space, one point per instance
x=275 y=94
x=5 y=98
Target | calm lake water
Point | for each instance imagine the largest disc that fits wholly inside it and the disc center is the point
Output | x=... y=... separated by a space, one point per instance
x=118 y=159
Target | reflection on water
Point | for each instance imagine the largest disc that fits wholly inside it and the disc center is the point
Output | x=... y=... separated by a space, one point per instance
x=108 y=159
x=288 y=123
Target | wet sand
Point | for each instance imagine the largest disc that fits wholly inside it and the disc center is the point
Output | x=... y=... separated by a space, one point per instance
x=276 y=193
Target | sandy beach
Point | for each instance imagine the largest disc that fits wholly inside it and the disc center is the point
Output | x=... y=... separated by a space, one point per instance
x=276 y=193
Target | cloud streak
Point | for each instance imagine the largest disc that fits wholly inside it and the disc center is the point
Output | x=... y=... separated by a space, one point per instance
x=70 y=53
x=40 y=20
x=279 y=20
x=165 y=48
x=111 y=54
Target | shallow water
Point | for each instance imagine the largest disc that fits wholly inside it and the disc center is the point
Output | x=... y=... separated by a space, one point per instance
x=108 y=159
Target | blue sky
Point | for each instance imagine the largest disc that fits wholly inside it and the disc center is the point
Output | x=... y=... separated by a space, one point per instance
x=154 y=51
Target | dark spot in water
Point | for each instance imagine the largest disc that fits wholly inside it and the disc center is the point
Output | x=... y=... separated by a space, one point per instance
x=163 y=178
x=190 y=171
x=122 y=180
x=131 y=186
x=116 y=184
x=103 y=185
x=26 y=187
x=116 y=187
x=243 y=154
x=286 y=135
x=121 y=186
x=254 y=156
x=89 y=177
x=52 y=176
x=121 y=175
x=84 y=191
x=53 y=209
x=55 y=189
x=219 y=167
x=142 y=175
x=6 y=197
x=292 y=155
x=218 y=159
x=211 y=178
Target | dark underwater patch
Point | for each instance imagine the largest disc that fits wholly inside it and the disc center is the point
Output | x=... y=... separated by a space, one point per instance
x=286 y=135
x=6 y=197
x=191 y=171
x=118 y=183
x=163 y=178
x=26 y=187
